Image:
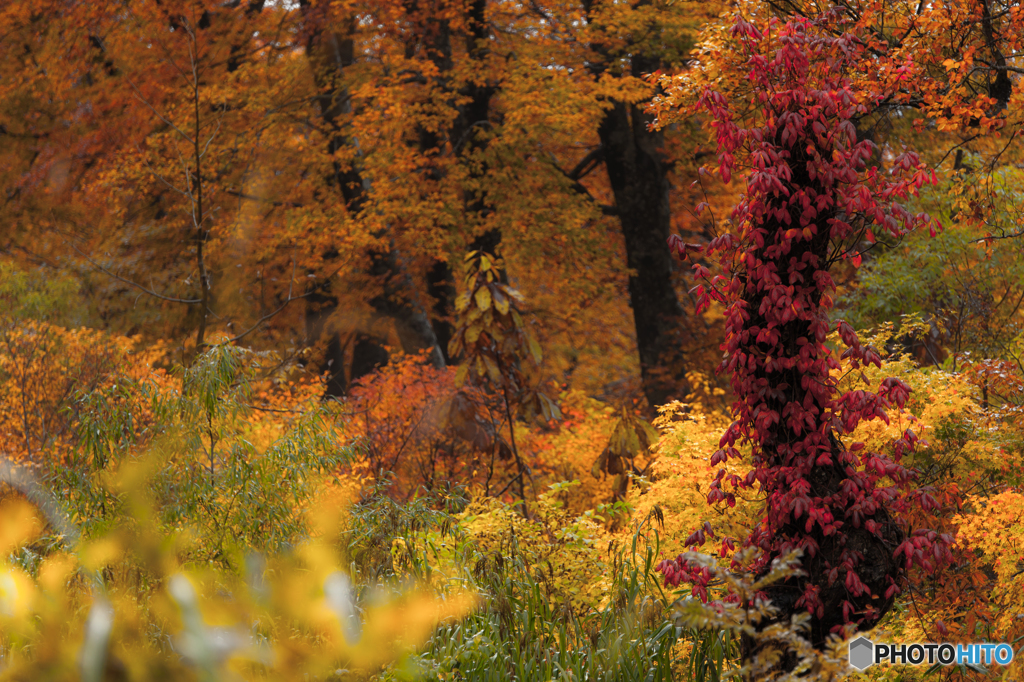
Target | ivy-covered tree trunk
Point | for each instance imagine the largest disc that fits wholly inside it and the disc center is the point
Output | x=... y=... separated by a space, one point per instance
x=811 y=199
x=783 y=374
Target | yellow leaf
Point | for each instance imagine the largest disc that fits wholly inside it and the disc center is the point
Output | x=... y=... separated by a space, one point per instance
x=483 y=298
x=17 y=592
x=501 y=303
x=492 y=369
x=18 y=524
x=102 y=553
x=534 y=348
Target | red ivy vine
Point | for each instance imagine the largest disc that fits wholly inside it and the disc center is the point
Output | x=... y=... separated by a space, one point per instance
x=814 y=192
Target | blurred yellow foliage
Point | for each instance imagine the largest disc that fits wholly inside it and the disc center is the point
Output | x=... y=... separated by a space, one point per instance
x=86 y=613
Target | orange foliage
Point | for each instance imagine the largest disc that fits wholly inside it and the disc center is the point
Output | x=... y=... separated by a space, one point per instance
x=46 y=370
x=415 y=427
x=212 y=166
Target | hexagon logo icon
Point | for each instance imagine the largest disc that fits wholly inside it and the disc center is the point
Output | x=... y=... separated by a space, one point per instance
x=861 y=653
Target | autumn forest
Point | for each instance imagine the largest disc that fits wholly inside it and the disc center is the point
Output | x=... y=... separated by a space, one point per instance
x=509 y=339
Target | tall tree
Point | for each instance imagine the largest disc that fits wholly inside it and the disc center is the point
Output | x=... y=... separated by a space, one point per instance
x=331 y=49
x=638 y=167
x=784 y=99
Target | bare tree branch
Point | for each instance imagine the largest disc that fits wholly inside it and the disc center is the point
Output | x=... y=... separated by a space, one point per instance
x=172 y=299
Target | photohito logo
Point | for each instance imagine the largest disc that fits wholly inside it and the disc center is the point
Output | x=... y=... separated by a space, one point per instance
x=864 y=653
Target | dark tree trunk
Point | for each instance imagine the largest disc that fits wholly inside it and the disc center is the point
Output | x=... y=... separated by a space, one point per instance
x=320 y=306
x=330 y=54
x=638 y=176
x=399 y=302
x=441 y=289
x=465 y=136
x=876 y=568
x=368 y=354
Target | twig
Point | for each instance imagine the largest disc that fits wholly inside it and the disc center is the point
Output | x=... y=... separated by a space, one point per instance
x=588 y=163
x=509 y=484
x=138 y=96
x=995 y=238
x=172 y=299
x=250 y=197
x=288 y=300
